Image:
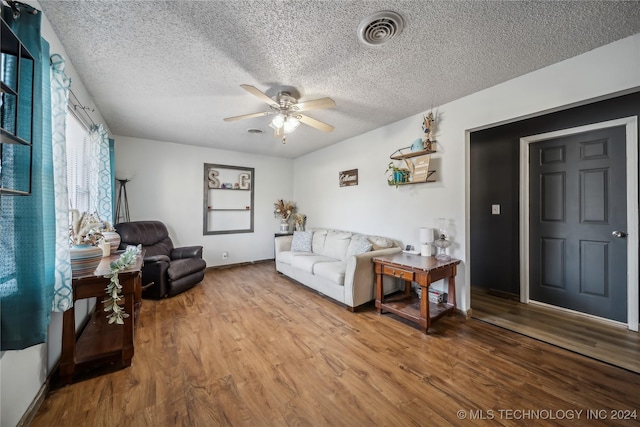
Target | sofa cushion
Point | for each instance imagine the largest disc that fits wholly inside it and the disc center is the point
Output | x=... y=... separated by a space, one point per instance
x=306 y=263
x=333 y=271
x=317 y=243
x=286 y=257
x=301 y=241
x=336 y=244
x=358 y=245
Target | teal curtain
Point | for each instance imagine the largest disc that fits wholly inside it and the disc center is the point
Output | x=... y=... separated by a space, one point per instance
x=100 y=178
x=27 y=223
x=60 y=85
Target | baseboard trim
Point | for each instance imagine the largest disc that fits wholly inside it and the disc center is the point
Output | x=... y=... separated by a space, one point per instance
x=32 y=410
x=239 y=264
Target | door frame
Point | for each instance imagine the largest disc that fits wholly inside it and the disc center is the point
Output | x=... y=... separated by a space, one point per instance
x=631 y=125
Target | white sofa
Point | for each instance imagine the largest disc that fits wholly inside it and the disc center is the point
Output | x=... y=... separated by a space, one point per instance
x=333 y=262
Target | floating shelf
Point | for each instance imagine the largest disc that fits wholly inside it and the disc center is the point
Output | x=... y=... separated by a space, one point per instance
x=429 y=174
x=398 y=155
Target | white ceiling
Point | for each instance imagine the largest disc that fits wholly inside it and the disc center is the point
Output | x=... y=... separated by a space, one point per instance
x=171 y=70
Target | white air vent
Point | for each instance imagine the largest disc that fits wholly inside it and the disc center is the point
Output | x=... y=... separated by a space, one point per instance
x=380 y=27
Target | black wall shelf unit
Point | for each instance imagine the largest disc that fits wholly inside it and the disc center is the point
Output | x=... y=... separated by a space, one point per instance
x=17 y=72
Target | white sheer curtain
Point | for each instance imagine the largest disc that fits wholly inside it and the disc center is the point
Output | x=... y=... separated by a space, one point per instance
x=100 y=178
x=60 y=82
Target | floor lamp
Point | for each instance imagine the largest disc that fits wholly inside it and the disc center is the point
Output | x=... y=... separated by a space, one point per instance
x=123 y=202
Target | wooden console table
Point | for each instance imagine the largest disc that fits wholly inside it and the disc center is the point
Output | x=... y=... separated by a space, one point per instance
x=100 y=343
x=423 y=271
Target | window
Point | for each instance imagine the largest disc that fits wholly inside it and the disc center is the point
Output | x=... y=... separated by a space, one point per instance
x=78 y=161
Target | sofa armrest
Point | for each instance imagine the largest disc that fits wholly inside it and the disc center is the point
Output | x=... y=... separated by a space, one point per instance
x=186 y=252
x=283 y=243
x=360 y=277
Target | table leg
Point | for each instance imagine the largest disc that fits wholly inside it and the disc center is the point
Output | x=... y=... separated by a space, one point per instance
x=68 y=356
x=127 y=334
x=425 y=315
x=452 y=289
x=379 y=289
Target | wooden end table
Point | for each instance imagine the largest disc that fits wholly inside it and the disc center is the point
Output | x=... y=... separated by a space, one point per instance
x=422 y=270
x=100 y=343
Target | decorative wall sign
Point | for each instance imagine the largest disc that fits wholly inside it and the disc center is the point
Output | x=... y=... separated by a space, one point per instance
x=348 y=178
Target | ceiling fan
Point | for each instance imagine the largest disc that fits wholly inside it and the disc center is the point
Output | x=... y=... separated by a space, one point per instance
x=287 y=110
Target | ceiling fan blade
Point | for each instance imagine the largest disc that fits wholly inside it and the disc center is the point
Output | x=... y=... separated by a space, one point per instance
x=248 y=116
x=314 y=123
x=259 y=94
x=315 y=104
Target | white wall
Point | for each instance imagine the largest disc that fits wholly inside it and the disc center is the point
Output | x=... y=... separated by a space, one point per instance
x=374 y=207
x=167 y=185
x=22 y=373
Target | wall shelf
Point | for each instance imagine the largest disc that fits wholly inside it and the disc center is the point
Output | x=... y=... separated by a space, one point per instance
x=430 y=173
x=398 y=155
x=16 y=114
x=417 y=170
x=228 y=199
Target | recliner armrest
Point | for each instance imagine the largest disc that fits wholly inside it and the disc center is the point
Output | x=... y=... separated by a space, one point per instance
x=156 y=258
x=154 y=271
x=186 y=252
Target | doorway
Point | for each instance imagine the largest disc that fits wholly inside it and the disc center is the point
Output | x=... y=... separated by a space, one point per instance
x=567 y=256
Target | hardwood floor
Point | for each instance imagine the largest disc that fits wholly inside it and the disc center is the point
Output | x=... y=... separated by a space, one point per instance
x=248 y=347
x=591 y=337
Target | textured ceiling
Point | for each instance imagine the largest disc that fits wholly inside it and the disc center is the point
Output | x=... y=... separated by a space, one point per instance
x=171 y=70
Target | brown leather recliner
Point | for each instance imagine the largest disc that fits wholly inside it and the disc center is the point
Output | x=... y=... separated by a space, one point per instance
x=172 y=270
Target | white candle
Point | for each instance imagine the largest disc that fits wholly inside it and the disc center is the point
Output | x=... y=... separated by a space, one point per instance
x=106 y=249
x=426 y=238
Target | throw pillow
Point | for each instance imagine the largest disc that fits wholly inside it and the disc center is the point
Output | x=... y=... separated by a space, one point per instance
x=380 y=243
x=358 y=246
x=301 y=241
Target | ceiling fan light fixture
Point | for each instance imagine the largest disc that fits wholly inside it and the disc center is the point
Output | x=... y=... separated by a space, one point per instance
x=285 y=110
x=278 y=121
x=290 y=124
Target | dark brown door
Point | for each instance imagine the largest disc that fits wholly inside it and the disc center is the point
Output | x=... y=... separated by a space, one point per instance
x=578 y=199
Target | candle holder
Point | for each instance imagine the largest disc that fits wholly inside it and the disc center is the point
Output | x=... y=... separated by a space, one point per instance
x=441 y=242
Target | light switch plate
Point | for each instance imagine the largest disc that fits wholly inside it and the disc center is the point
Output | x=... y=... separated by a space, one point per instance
x=495 y=209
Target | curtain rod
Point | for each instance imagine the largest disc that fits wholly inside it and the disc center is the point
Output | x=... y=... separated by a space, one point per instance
x=80 y=110
x=16 y=5
x=76 y=108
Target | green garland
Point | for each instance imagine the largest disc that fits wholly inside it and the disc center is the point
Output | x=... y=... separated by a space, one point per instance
x=114 y=288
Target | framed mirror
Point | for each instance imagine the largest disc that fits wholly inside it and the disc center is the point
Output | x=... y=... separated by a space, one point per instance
x=228 y=199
